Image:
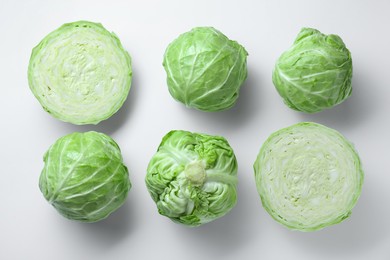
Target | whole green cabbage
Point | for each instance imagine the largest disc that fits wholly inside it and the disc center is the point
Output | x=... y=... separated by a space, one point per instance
x=308 y=176
x=315 y=73
x=84 y=177
x=80 y=73
x=192 y=177
x=205 y=70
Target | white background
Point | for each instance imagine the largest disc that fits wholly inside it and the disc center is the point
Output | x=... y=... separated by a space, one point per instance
x=31 y=229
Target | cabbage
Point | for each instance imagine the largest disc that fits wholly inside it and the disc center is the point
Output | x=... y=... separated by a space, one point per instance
x=205 y=70
x=192 y=178
x=315 y=73
x=80 y=73
x=84 y=177
x=308 y=176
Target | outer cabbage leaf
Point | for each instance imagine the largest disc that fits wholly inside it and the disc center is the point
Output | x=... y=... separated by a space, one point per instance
x=205 y=70
x=84 y=177
x=80 y=73
x=308 y=176
x=192 y=177
x=315 y=73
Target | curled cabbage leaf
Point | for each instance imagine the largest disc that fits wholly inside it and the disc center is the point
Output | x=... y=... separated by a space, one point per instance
x=205 y=70
x=308 y=176
x=80 y=73
x=192 y=178
x=84 y=177
x=315 y=73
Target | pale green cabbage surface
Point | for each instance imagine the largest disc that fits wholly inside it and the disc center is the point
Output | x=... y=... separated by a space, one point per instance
x=84 y=177
x=205 y=70
x=315 y=73
x=80 y=73
x=192 y=177
x=308 y=176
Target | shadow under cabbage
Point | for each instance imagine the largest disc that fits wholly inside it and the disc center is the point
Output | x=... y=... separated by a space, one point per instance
x=108 y=232
x=113 y=123
x=228 y=234
x=354 y=110
x=246 y=107
x=364 y=229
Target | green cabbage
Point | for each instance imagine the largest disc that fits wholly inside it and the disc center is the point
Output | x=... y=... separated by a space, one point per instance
x=192 y=177
x=205 y=70
x=84 y=177
x=308 y=176
x=80 y=73
x=315 y=73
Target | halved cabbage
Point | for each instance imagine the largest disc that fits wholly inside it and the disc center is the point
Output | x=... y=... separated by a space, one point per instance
x=80 y=73
x=308 y=176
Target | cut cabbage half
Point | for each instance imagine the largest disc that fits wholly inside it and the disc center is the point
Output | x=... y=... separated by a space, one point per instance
x=80 y=73
x=308 y=176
